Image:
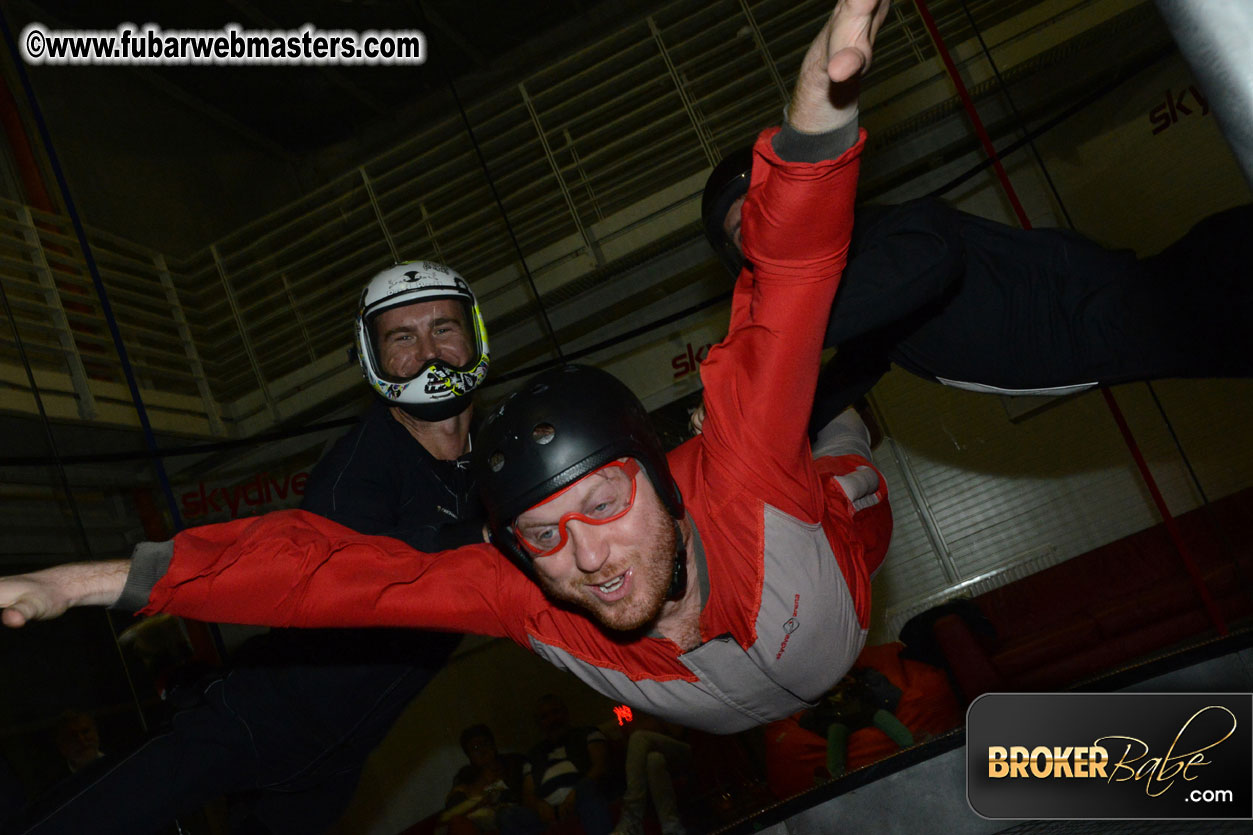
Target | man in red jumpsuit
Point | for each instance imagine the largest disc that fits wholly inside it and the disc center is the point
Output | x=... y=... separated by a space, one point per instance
x=723 y=586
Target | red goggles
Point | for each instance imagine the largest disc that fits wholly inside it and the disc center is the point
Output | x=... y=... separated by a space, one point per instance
x=609 y=500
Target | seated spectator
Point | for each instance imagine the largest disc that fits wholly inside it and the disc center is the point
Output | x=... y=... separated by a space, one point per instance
x=77 y=740
x=655 y=750
x=487 y=793
x=570 y=770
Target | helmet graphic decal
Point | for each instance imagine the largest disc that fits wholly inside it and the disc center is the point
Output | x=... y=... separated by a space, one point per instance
x=442 y=381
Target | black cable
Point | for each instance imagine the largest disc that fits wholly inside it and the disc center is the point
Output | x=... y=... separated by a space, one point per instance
x=1022 y=123
x=1042 y=128
x=89 y=260
x=491 y=184
x=79 y=526
x=1178 y=443
x=222 y=446
x=1170 y=427
x=255 y=440
x=194 y=449
x=1220 y=530
x=55 y=460
x=607 y=343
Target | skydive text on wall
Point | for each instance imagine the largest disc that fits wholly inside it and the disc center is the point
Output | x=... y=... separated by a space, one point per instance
x=252 y=495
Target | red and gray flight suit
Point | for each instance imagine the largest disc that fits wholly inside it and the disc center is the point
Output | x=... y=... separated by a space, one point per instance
x=783 y=557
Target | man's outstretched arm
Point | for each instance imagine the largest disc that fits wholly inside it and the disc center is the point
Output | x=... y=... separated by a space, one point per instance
x=46 y=594
x=797 y=219
x=287 y=568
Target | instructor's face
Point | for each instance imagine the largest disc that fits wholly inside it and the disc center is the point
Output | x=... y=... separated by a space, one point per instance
x=410 y=337
x=618 y=571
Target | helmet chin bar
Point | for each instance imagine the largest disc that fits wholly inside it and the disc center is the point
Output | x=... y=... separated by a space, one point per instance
x=678 y=574
x=434 y=412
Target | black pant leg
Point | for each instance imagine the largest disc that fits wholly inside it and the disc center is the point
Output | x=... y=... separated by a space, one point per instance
x=849 y=376
x=203 y=754
x=304 y=792
x=316 y=717
x=1198 y=297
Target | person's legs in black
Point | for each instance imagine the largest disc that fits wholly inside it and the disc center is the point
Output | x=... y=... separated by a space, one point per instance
x=204 y=753
x=1198 y=296
x=316 y=722
x=846 y=379
x=592 y=803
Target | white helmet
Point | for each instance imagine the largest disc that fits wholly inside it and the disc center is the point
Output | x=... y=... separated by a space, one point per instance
x=438 y=390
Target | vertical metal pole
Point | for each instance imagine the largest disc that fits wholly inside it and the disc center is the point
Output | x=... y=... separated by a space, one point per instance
x=929 y=526
x=1216 y=39
x=300 y=320
x=583 y=178
x=541 y=312
x=243 y=333
x=592 y=248
x=1172 y=529
x=52 y=298
x=975 y=122
x=430 y=234
x=66 y=490
x=1057 y=196
x=378 y=214
x=909 y=35
x=765 y=53
x=705 y=143
x=189 y=346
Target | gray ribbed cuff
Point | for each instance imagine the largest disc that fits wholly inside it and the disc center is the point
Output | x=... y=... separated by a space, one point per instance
x=149 y=562
x=794 y=146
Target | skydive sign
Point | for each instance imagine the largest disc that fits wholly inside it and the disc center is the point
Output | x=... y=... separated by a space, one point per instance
x=258 y=494
x=1110 y=755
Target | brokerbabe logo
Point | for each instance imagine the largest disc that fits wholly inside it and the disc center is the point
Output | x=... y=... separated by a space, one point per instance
x=1110 y=755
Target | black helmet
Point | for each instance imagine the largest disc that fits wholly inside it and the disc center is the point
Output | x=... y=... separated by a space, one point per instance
x=562 y=424
x=727 y=182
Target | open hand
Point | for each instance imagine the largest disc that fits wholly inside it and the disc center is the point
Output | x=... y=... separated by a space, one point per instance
x=850 y=37
x=826 y=90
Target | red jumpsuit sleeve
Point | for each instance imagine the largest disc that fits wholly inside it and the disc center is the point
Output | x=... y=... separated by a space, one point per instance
x=293 y=568
x=760 y=381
